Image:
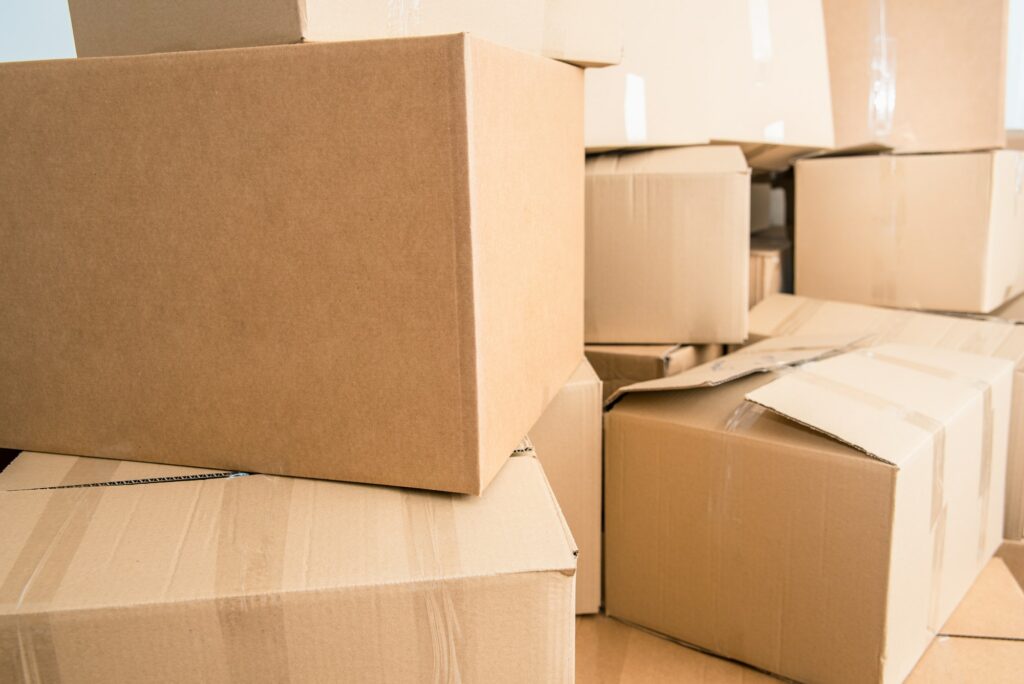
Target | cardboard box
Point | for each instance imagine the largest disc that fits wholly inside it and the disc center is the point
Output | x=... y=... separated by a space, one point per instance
x=667 y=246
x=771 y=266
x=940 y=231
x=783 y=315
x=758 y=69
x=261 y=578
x=619 y=365
x=585 y=33
x=567 y=439
x=612 y=652
x=274 y=230
x=918 y=76
x=767 y=206
x=822 y=524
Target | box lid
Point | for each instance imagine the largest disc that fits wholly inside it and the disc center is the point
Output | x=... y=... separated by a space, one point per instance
x=201 y=539
x=671 y=160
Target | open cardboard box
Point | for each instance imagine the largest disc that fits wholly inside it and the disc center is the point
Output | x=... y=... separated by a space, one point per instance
x=822 y=524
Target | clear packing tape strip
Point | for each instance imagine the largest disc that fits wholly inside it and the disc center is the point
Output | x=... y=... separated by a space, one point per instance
x=748 y=413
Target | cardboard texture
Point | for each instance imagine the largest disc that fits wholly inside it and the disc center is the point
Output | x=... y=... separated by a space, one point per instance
x=942 y=231
x=767 y=206
x=667 y=247
x=585 y=33
x=619 y=365
x=771 y=266
x=1012 y=311
x=759 y=70
x=611 y=652
x=272 y=232
x=567 y=439
x=821 y=523
x=785 y=315
x=918 y=76
x=264 y=578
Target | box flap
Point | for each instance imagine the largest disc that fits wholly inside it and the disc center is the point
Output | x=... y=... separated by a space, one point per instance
x=764 y=356
x=207 y=539
x=993 y=608
x=671 y=160
x=887 y=401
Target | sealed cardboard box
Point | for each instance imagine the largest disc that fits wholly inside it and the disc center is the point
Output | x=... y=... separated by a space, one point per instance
x=667 y=246
x=619 y=365
x=758 y=70
x=585 y=33
x=767 y=206
x=822 y=523
x=771 y=266
x=225 y=258
x=225 y=578
x=784 y=315
x=568 y=442
x=939 y=231
x=918 y=76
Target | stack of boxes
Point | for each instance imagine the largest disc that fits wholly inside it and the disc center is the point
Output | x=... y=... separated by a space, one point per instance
x=294 y=306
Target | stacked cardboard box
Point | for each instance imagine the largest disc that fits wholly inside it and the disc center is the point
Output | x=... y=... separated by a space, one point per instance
x=937 y=222
x=360 y=262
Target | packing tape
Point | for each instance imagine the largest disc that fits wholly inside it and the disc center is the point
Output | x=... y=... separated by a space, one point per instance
x=251 y=535
x=433 y=554
x=37 y=573
x=885 y=263
x=881 y=103
x=760 y=41
x=938 y=558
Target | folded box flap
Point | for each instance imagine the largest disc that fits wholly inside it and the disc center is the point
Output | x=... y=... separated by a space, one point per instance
x=887 y=401
x=767 y=355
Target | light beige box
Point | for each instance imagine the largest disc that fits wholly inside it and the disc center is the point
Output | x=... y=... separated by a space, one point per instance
x=619 y=365
x=225 y=258
x=821 y=524
x=567 y=439
x=203 y=576
x=990 y=647
x=939 y=231
x=767 y=206
x=783 y=315
x=667 y=246
x=585 y=32
x=751 y=72
x=1013 y=310
x=770 y=262
x=918 y=76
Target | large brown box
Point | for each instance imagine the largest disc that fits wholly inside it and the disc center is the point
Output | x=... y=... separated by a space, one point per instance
x=791 y=315
x=918 y=75
x=924 y=231
x=116 y=571
x=822 y=524
x=224 y=258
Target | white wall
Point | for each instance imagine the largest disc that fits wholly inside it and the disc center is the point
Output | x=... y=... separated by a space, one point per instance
x=1015 y=67
x=35 y=29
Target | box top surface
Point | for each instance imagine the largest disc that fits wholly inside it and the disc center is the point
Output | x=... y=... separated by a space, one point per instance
x=109 y=546
x=700 y=159
x=886 y=401
x=783 y=315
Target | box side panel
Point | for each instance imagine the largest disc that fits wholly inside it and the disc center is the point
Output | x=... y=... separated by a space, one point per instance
x=895 y=231
x=567 y=439
x=131 y=27
x=774 y=555
x=506 y=628
x=667 y=258
x=1005 y=272
x=1014 y=523
x=240 y=286
x=918 y=76
x=526 y=165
